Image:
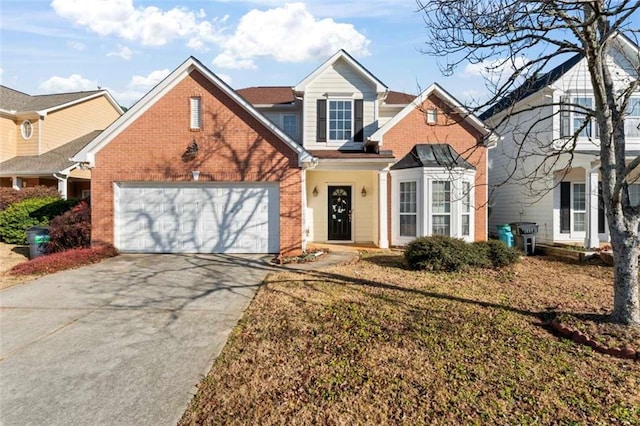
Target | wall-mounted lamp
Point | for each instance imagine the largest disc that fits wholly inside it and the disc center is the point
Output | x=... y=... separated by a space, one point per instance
x=195 y=174
x=315 y=191
x=363 y=192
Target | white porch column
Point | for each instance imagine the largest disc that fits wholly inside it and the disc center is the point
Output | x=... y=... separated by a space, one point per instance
x=62 y=186
x=383 y=240
x=16 y=182
x=592 y=238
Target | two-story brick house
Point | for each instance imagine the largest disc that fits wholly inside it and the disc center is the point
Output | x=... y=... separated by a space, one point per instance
x=196 y=166
x=38 y=135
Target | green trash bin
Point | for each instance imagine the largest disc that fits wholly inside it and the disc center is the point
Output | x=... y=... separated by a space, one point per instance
x=38 y=237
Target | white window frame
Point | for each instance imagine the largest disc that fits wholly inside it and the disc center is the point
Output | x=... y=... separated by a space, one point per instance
x=447 y=201
x=432 y=116
x=424 y=178
x=578 y=114
x=575 y=211
x=26 y=135
x=350 y=101
x=465 y=211
x=414 y=213
x=283 y=116
x=632 y=122
x=195 y=112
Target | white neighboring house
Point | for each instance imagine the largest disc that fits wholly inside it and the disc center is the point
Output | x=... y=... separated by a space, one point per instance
x=564 y=200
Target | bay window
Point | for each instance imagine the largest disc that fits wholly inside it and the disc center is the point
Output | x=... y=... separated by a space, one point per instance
x=408 y=209
x=441 y=208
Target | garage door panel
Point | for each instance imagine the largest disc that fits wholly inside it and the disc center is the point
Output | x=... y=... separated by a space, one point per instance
x=204 y=218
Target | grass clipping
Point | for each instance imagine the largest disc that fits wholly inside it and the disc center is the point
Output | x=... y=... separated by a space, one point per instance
x=376 y=343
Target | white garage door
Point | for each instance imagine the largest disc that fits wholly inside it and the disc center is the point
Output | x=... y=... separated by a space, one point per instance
x=197 y=218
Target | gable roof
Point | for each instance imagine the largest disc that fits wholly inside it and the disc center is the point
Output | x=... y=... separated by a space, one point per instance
x=342 y=54
x=16 y=102
x=268 y=95
x=87 y=154
x=531 y=86
x=432 y=155
x=438 y=91
x=50 y=162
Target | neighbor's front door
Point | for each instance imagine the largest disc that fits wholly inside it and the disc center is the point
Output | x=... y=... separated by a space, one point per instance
x=339 y=213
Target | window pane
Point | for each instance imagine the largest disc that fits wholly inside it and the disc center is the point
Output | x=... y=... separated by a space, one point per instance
x=634 y=194
x=340 y=120
x=466 y=197
x=632 y=121
x=466 y=228
x=579 y=201
x=408 y=225
x=579 y=116
x=441 y=195
x=290 y=125
x=578 y=222
x=408 y=198
x=441 y=225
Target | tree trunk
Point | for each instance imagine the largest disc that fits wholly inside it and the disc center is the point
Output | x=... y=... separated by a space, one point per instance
x=626 y=309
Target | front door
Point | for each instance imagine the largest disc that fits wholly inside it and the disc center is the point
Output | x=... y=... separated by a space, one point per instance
x=339 y=213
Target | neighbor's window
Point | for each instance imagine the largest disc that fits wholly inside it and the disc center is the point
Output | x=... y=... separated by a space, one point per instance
x=408 y=209
x=290 y=125
x=632 y=120
x=579 y=116
x=579 y=207
x=340 y=120
x=441 y=208
x=432 y=116
x=634 y=194
x=26 y=129
x=196 y=113
x=466 y=209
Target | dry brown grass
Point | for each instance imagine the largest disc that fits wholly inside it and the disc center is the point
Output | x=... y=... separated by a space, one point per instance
x=374 y=343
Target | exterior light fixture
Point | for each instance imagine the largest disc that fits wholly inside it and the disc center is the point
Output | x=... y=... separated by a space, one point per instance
x=315 y=191
x=363 y=192
x=195 y=174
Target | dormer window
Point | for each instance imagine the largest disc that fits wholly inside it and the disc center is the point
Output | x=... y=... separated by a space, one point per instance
x=196 y=113
x=26 y=129
x=340 y=120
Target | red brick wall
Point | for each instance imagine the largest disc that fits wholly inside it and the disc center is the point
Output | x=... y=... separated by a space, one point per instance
x=233 y=146
x=451 y=130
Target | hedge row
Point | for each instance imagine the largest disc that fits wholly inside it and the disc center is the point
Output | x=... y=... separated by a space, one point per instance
x=64 y=260
x=20 y=216
x=10 y=196
x=440 y=253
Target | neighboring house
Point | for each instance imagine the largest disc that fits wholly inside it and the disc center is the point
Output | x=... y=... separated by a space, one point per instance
x=39 y=135
x=540 y=120
x=195 y=166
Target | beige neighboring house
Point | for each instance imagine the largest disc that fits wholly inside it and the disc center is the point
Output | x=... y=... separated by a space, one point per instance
x=39 y=134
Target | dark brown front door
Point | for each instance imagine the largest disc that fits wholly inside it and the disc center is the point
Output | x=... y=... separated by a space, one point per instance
x=339 y=213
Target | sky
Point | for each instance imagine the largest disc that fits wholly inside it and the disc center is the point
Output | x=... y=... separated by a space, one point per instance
x=128 y=46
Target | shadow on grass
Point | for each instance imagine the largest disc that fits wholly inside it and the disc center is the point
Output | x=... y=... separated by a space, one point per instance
x=21 y=250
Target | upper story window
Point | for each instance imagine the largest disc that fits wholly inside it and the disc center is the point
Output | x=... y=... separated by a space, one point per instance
x=432 y=116
x=340 y=120
x=290 y=125
x=26 y=129
x=196 y=112
x=580 y=122
x=632 y=120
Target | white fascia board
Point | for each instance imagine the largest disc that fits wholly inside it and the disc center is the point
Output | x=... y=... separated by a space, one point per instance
x=341 y=54
x=44 y=112
x=419 y=100
x=87 y=154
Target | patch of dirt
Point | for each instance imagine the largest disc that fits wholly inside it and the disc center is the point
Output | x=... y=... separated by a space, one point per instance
x=11 y=255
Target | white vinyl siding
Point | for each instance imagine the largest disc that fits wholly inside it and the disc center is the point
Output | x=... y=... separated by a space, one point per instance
x=196 y=112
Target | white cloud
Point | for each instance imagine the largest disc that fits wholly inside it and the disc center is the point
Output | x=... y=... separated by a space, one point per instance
x=147 y=82
x=123 y=51
x=73 y=83
x=76 y=45
x=225 y=77
x=494 y=68
x=287 y=34
x=148 y=25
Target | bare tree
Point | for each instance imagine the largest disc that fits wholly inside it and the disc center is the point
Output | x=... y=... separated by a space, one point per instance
x=519 y=42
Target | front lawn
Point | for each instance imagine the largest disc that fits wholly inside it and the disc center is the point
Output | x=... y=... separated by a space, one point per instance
x=375 y=343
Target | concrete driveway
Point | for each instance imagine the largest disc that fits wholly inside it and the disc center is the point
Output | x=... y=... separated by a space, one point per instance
x=122 y=342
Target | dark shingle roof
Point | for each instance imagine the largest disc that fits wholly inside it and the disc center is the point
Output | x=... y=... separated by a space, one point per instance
x=11 y=99
x=432 y=155
x=48 y=163
x=531 y=86
x=268 y=95
x=398 y=98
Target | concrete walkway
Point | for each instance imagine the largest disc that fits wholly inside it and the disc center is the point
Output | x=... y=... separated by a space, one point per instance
x=123 y=342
